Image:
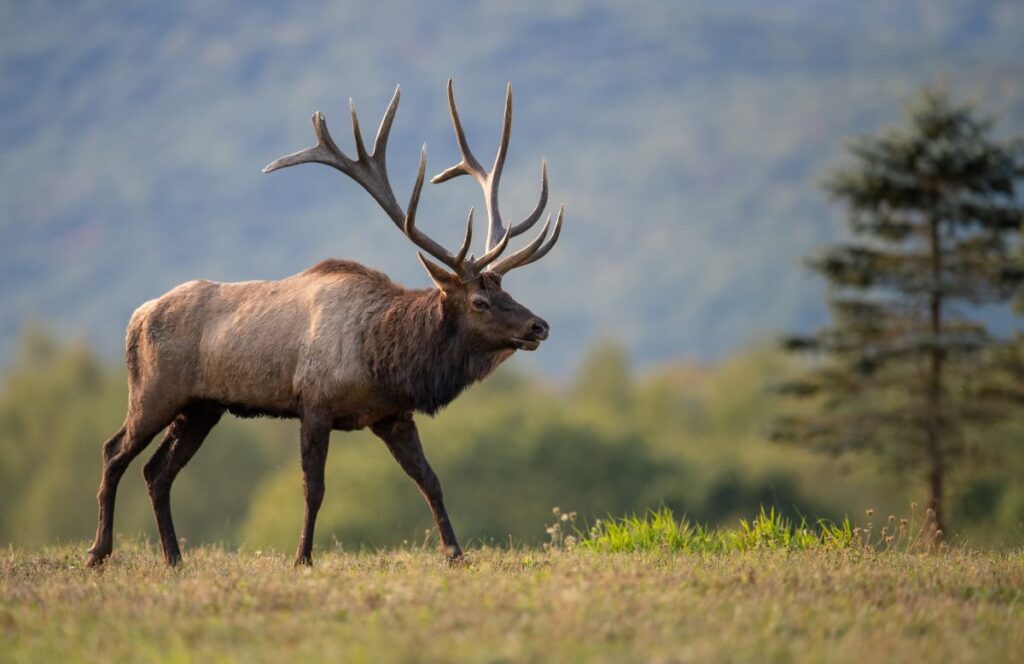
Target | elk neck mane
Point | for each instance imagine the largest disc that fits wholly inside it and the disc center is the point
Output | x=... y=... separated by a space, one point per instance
x=417 y=351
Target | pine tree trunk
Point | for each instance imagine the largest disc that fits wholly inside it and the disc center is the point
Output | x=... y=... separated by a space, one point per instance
x=936 y=467
x=936 y=485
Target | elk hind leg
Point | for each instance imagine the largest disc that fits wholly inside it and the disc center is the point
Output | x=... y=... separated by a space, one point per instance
x=183 y=438
x=118 y=452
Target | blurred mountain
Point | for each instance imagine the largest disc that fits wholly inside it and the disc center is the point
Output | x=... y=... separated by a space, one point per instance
x=686 y=140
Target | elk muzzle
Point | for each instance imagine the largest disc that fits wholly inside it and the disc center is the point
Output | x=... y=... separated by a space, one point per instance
x=536 y=331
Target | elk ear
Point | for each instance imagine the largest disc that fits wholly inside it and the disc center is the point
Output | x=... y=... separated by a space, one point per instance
x=441 y=277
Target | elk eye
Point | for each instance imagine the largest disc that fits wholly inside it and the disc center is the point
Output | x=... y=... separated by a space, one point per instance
x=481 y=304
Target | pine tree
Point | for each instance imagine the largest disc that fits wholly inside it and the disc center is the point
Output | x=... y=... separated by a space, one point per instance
x=902 y=366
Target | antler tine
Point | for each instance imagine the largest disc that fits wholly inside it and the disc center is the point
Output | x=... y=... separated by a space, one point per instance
x=421 y=239
x=480 y=263
x=506 y=134
x=461 y=256
x=527 y=224
x=380 y=144
x=469 y=164
x=495 y=224
x=324 y=152
x=533 y=251
x=370 y=171
x=508 y=262
x=543 y=251
x=360 y=148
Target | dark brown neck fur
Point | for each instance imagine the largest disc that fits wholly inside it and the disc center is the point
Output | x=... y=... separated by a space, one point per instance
x=419 y=354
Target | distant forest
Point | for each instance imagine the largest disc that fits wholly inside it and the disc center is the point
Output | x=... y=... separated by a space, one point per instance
x=608 y=441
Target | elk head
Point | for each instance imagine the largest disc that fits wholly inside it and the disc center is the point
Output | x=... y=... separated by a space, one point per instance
x=471 y=286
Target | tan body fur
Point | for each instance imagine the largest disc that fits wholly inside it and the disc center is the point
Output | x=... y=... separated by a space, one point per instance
x=270 y=346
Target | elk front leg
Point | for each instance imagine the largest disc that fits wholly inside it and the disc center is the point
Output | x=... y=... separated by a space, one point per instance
x=402 y=439
x=315 y=434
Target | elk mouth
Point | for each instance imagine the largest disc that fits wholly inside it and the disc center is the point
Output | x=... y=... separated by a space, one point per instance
x=525 y=344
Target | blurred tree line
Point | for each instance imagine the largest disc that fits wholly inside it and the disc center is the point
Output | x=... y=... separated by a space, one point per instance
x=610 y=440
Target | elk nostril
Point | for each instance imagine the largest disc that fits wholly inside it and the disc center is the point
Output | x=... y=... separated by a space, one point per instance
x=539 y=328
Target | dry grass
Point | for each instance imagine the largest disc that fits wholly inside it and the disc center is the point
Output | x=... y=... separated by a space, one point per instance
x=514 y=605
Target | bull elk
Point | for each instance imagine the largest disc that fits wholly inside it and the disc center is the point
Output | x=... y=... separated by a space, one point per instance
x=339 y=346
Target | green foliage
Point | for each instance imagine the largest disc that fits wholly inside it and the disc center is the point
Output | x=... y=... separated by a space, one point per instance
x=659 y=530
x=685 y=436
x=905 y=367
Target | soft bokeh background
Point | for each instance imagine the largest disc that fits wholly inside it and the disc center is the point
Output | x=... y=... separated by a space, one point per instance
x=686 y=139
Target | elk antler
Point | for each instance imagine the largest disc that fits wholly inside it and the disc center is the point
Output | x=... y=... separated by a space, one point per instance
x=370 y=171
x=533 y=251
x=497 y=233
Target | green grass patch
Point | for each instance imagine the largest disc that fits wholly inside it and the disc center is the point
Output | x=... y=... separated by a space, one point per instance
x=660 y=530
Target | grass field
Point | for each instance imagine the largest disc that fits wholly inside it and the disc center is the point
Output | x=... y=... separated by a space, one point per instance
x=836 y=605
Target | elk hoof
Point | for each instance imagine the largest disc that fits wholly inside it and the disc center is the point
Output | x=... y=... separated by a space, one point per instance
x=96 y=559
x=453 y=556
